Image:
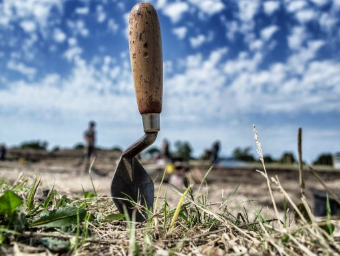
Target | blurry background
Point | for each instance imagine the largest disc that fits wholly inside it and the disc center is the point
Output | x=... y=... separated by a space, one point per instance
x=227 y=65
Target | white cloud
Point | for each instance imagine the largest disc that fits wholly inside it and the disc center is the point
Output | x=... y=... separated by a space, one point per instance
x=72 y=41
x=180 y=32
x=305 y=15
x=336 y=4
x=112 y=25
x=268 y=32
x=297 y=37
x=191 y=92
x=101 y=15
x=28 y=26
x=59 y=35
x=21 y=68
x=248 y=9
x=78 y=28
x=327 y=21
x=197 y=41
x=316 y=45
x=209 y=7
x=176 y=10
x=35 y=10
x=270 y=7
x=232 y=28
x=256 y=45
x=126 y=21
x=73 y=53
x=302 y=56
x=246 y=88
x=208 y=88
x=281 y=91
x=160 y=4
x=87 y=91
x=82 y=10
x=282 y=88
x=320 y=3
x=121 y=6
x=242 y=64
x=296 y=5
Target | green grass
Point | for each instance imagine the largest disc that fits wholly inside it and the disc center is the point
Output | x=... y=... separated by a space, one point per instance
x=66 y=224
x=91 y=224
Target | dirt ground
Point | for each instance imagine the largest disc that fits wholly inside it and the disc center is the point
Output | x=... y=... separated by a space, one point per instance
x=69 y=177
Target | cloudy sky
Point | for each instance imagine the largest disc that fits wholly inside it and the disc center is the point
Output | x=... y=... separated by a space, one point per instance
x=227 y=65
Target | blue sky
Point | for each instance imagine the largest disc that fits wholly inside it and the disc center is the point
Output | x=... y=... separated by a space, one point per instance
x=227 y=65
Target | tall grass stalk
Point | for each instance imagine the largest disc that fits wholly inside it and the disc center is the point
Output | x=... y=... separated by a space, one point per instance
x=260 y=153
x=90 y=173
x=158 y=192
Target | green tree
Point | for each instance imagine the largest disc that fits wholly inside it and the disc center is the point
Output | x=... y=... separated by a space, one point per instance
x=288 y=158
x=55 y=149
x=79 y=146
x=116 y=148
x=324 y=159
x=183 y=150
x=153 y=150
x=34 y=144
x=268 y=159
x=243 y=154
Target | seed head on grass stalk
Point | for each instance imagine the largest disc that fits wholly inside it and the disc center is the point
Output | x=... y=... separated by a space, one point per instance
x=260 y=153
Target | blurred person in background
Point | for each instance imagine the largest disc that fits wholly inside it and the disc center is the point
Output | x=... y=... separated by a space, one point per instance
x=165 y=157
x=215 y=152
x=165 y=151
x=90 y=142
x=2 y=152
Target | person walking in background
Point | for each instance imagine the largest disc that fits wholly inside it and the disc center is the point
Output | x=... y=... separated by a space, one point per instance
x=165 y=157
x=2 y=152
x=90 y=142
x=165 y=151
x=215 y=151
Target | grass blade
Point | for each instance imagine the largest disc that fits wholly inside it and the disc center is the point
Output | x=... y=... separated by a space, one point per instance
x=90 y=173
x=178 y=208
x=158 y=192
x=49 y=196
x=30 y=200
x=203 y=180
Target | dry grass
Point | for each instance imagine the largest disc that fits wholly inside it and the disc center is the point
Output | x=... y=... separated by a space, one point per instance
x=195 y=227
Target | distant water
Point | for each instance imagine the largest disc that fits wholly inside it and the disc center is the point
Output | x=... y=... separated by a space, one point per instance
x=232 y=163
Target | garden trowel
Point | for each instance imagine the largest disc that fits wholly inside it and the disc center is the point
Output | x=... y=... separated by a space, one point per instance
x=132 y=187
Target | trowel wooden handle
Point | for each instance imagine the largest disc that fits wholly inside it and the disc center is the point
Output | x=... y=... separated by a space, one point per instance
x=146 y=57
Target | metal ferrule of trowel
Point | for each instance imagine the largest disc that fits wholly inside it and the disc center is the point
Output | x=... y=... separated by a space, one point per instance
x=151 y=124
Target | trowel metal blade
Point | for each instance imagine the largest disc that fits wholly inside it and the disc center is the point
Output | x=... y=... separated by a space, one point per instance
x=131 y=182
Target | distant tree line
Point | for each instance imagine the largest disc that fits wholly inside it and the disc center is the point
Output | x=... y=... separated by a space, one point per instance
x=34 y=144
x=244 y=154
x=43 y=145
x=82 y=146
x=183 y=151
